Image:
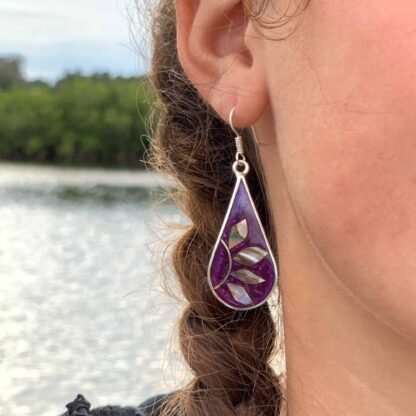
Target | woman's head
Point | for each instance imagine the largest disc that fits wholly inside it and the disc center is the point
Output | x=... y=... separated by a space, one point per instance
x=329 y=88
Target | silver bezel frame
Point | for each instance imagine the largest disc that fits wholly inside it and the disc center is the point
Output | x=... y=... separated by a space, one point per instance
x=241 y=178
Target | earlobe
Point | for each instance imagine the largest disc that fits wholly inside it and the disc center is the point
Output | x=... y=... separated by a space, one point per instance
x=214 y=53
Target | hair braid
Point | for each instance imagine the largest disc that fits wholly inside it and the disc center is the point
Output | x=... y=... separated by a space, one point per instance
x=228 y=351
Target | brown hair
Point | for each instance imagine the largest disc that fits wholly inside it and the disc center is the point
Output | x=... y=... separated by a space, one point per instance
x=229 y=352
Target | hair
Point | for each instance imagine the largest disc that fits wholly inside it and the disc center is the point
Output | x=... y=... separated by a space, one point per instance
x=228 y=351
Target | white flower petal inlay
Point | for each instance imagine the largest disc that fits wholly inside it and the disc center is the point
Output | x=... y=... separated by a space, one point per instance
x=250 y=255
x=239 y=294
x=246 y=276
x=238 y=233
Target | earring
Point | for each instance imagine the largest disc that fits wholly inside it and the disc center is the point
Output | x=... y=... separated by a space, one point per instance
x=242 y=272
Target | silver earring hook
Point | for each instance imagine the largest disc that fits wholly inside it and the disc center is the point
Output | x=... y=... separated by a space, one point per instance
x=239 y=155
x=231 y=122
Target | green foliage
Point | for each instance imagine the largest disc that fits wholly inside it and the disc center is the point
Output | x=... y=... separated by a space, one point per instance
x=96 y=120
x=10 y=71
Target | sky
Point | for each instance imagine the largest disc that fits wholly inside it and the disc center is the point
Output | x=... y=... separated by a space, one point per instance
x=58 y=36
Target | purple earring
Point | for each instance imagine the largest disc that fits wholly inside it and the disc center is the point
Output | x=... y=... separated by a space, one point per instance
x=242 y=272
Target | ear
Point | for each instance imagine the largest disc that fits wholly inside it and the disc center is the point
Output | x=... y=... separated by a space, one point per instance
x=222 y=55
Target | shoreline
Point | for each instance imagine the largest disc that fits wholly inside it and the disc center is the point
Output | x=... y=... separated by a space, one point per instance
x=12 y=173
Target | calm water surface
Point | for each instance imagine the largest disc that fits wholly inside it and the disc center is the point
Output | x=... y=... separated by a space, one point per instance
x=81 y=304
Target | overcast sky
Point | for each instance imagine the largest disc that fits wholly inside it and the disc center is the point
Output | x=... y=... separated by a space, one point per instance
x=56 y=36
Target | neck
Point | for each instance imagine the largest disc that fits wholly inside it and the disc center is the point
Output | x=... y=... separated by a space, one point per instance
x=340 y=359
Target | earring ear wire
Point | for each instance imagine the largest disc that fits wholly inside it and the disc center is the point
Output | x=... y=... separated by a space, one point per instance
x=252 y=128
x=230 y=121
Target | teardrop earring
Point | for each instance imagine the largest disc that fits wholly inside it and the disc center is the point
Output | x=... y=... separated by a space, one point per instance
x=242 y=271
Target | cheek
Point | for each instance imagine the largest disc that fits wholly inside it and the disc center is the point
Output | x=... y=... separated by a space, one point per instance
x=357 y=200
x=348 y=148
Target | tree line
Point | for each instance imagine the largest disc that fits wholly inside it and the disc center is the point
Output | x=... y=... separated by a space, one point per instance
x=95 y=120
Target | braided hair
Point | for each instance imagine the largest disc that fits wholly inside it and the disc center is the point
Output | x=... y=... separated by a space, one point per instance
x=229 y=352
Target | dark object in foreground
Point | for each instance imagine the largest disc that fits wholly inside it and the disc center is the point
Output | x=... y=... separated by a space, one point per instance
x=80 y=406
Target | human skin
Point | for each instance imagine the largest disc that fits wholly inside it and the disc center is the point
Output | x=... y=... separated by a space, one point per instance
x=333 y=109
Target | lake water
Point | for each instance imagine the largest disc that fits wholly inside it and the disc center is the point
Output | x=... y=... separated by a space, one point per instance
x=81 y=304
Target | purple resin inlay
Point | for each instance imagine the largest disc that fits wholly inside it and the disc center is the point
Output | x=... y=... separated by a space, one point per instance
x=253 y=248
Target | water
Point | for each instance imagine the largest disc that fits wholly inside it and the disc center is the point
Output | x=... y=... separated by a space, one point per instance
x=81 y=304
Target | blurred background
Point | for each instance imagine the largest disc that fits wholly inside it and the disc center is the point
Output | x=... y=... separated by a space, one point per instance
x=82 y=217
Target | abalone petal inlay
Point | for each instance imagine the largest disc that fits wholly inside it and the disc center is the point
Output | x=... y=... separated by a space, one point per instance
x=239 y=294
x=246 y=276
x=238 y=233
x=250 y=255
